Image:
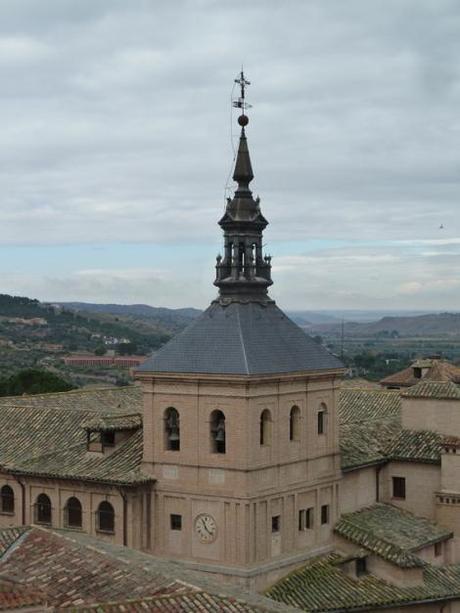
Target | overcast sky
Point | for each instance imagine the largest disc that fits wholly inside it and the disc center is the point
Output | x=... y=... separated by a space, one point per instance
x=115 y=148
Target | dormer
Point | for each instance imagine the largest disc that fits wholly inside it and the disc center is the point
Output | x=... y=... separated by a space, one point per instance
x=105 y=432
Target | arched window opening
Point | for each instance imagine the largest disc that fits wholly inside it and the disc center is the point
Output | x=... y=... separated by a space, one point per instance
x=73 y=513
x=217 y=432
x=6 y=499
x=322 y=415
x=105 y=517
x=294 y=424
x=43 y=510
x=265 y=427
x=172 y=429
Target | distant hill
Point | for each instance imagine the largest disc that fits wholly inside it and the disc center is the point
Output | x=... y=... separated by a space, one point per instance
x=177 y=317
x=434 y=324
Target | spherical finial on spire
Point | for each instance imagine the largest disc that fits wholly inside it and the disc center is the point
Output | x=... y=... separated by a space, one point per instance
x=243 y=120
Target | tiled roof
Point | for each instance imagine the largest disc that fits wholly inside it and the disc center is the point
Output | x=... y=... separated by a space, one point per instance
x=366 y=443
x=241 y=339
x=15 y=595
x=391 y=533
x=8 y=536
x=356 y=405
x=369 y=420
x=416 y=446
x=371 y=431
x=102 y=400
x=323 y=586
x=438 y=370
x=80 y=573
x=121 y=467
x=113 y=423
x=44 y=435
x=195 y=600
x=440 y=390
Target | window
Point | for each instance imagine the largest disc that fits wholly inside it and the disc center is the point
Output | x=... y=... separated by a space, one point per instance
x=324 y=514
x=175 y=521
x=361 y=567
x=217 y=432
x=437 y=549
x=73 y=513
x=43 y=510
x=321 y=427
x=6 y=500
x=276 y=523
x=105 y=516
x=417 y=372
x=399 y=487
x=306 y=519
x=172 y=429
x=294 y=424
x=265 y=427
x=108 y=439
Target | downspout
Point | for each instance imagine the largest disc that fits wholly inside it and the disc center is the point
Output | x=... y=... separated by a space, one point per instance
x=23 y=501
x=125 y=516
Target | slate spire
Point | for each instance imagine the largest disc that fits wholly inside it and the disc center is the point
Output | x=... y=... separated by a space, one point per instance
x=243 y=274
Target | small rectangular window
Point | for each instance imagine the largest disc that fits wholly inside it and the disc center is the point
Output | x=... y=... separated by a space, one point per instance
x=324 y=514
x=108 y=439
x=276 y=523
x=306 y=519
x=302 y=519
x=321 y=422
x=176 y=522
x=399 y=487
x=437 y=549
x=361 y=567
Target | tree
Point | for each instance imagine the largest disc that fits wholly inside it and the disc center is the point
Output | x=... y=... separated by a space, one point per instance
x=33 y=381
x=101 y=350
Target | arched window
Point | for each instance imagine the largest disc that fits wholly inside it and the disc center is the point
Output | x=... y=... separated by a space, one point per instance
x=172 y=429
x=6 y=499
x=73 y=513
x=217 y=432
x=294 y=424
x=265 y=427
x=322 y=416
x=43 y=510
x=105 y=517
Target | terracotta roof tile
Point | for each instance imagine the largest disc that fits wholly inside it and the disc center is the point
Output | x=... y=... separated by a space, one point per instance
x=439 y=390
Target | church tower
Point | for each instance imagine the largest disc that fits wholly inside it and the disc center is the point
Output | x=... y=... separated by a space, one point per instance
x=240 y=422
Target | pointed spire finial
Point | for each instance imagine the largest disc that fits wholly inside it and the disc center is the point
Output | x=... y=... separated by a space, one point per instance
x=241 y=103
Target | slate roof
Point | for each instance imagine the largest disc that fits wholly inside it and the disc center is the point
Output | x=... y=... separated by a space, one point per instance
x=79 y=573
x=322 y=585
x=391 y=533
x=439 y=390
x=44 y=435
x=241 y=339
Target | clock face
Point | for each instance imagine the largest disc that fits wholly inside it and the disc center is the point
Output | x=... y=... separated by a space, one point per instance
x=206 y=528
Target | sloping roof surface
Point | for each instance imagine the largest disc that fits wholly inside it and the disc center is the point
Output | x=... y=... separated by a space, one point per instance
x=438 y=370
x=391 y=533
x=371 y=430
x=241 y=339
x=323 y=586
x=439 y=390
x=80 y=573
x=44 y=435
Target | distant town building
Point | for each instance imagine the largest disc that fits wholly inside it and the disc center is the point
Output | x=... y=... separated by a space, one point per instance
x=125 y=361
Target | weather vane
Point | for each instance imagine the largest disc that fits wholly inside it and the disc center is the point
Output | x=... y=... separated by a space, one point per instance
x=241 y=103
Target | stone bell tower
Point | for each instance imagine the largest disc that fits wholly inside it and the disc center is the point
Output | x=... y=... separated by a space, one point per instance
x=240 y=423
